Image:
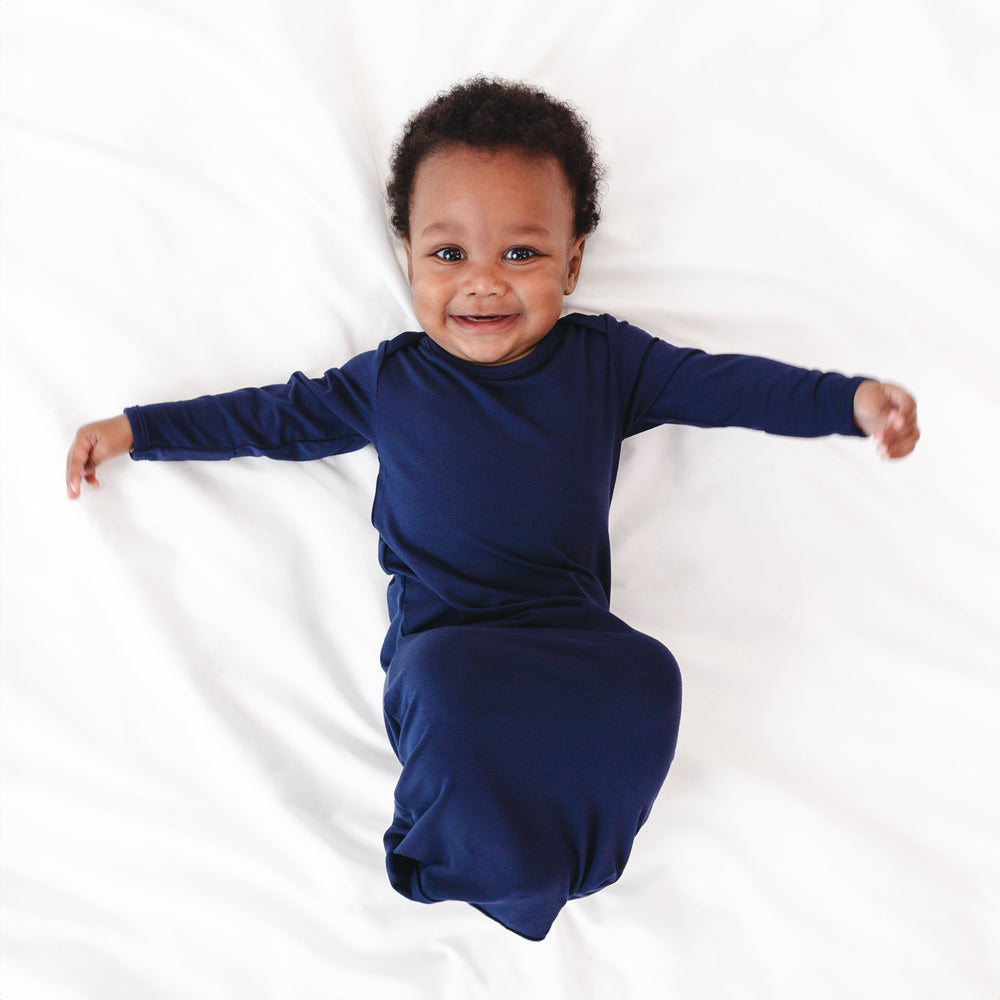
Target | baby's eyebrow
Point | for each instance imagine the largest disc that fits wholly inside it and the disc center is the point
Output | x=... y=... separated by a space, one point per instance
x=457 y=229
x=529 y=230
x=442 y=227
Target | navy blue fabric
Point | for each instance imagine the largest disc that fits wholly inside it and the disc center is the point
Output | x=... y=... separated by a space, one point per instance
x=534 y=727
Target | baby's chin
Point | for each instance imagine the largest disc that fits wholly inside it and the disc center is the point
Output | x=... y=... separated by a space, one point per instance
x=485 y=339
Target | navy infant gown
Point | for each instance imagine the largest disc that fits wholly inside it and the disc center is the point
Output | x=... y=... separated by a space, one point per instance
x=534 y=727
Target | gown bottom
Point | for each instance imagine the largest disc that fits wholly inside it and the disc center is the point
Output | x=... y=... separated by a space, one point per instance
x=531 y=756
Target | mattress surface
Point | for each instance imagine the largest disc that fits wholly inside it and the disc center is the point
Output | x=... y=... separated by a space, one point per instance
x=196 y=777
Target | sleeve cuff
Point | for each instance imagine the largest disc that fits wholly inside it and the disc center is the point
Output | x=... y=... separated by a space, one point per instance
x=140 y=432
x=853 y=385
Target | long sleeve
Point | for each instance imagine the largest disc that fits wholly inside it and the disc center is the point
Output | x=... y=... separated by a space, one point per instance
x=667 y=384
x=303 y=419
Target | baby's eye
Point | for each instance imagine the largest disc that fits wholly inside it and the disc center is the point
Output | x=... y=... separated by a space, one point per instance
x=520 y=253
x=449 y=254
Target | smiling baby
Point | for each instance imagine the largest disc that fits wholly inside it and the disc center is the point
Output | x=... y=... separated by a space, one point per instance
x=533 y=726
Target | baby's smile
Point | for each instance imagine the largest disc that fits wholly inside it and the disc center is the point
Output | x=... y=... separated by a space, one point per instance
x=491 y=321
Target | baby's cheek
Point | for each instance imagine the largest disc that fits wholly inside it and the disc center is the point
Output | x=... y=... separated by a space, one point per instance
x=423 y=300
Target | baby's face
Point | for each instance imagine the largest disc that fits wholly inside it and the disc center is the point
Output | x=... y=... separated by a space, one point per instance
x=491 y=252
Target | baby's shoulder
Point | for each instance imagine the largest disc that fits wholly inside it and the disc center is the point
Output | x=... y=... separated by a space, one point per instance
x=617 y=336
x=600 y=323
x=401 y=342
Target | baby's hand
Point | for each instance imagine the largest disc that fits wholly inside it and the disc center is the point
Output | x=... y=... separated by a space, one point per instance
x=889 y=414
x=93 y=444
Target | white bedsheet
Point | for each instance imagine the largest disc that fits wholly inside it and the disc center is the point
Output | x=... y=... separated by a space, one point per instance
x=195 y=776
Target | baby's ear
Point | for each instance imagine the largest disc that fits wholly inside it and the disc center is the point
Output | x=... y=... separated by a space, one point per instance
x=409 y=261
x=575 y=263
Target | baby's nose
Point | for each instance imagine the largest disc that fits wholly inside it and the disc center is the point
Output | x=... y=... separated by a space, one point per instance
x=484 y=279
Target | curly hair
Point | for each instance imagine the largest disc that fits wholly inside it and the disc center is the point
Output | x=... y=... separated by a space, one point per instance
x=493 y=114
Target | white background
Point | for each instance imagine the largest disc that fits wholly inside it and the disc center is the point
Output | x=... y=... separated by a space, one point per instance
x=195 y=776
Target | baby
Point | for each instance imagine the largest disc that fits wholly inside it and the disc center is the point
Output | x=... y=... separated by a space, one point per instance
x=534 y=727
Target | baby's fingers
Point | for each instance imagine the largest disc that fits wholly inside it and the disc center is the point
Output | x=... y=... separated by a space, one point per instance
x=95 y=443
x=79 y=466
x=898 y=441
x=891 y=416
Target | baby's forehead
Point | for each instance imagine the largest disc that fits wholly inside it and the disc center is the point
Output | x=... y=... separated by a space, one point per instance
x=483 y=170
x=464 y=154
x=529 y=187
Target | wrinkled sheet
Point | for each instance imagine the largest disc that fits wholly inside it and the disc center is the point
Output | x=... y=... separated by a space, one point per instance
x=195 y=774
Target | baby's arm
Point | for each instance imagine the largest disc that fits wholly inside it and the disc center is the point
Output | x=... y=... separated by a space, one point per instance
x=95 y=443
x=303 y=419
x=889 y=414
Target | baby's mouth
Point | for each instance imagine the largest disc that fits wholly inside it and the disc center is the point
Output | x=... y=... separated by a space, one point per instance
x=484 y=322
